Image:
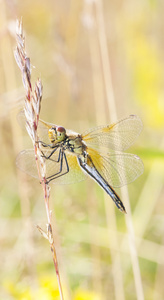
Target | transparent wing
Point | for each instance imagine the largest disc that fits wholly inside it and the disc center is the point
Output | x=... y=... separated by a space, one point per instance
x=26 y=162
x=119 y=136
x=43 y=127
x=117 y=168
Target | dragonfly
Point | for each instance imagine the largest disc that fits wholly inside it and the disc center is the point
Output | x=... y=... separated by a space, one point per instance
x=98 y=153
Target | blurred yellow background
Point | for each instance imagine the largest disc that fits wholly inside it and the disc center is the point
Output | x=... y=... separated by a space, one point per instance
x=92 y=57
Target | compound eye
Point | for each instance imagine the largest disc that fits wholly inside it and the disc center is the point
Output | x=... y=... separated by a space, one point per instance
x=60 y=129
x=61 y=132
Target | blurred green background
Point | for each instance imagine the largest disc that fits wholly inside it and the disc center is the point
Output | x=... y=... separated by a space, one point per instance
x=65 y=41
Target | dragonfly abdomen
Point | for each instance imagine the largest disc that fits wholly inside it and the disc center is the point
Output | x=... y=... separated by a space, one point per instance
x=91 y=170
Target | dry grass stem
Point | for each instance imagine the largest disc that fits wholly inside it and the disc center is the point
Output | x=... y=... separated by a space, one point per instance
x=101 y=118
x=113 y=116
x=32 y=110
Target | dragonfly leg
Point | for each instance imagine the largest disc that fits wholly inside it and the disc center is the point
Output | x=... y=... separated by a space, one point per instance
x=43 y=144
x=59 y=174
x=53 y=151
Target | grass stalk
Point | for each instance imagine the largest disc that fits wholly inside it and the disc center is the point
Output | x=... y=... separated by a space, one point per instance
x=113 y=115
x=101 y=118
x=32 y=110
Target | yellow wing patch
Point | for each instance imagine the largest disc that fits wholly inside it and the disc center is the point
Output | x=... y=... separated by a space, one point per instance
x=95 y=156
x=108 y=128
x=47 y=125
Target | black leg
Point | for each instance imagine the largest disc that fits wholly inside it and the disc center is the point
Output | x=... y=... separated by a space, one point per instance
x=52 y=152
x=59 y=174
x=44 y=144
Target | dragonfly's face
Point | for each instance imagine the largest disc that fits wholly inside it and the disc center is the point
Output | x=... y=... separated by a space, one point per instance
x=57 y=134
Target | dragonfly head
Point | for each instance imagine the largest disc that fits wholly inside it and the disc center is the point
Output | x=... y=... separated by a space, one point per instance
x=57 y=134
